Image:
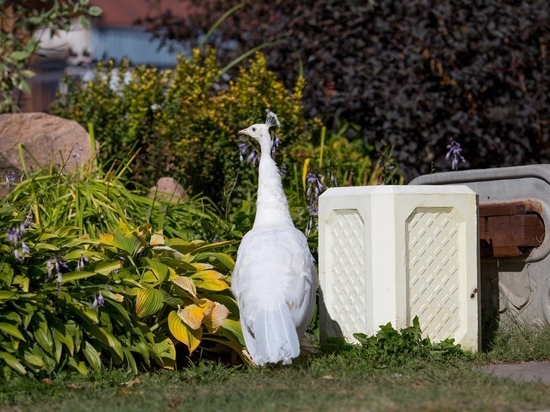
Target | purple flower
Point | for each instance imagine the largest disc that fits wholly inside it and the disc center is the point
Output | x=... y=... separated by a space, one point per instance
x=81 y=263
x=74 y=153
x=99 y=300
x=454 y=154
x=25 y=248
x=59 y=265
x=18 y=255
x=14 y=235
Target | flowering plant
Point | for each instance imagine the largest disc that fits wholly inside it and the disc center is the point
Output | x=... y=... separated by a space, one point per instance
x=126 y=298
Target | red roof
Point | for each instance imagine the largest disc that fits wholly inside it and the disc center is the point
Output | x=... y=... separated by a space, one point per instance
x=125 y=13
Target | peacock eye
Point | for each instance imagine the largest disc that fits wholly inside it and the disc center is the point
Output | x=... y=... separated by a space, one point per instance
x=253 y=129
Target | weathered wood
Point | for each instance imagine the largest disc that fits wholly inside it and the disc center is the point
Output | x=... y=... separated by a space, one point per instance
x=510 y=229
x=517 y=207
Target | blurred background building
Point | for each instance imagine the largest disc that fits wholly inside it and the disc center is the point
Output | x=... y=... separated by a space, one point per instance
x=116 y=34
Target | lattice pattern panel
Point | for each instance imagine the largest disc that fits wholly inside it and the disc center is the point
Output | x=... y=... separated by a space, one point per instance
x=349 y=288
x=433 y=261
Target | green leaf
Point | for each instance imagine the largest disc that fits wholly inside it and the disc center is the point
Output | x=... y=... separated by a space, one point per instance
x=106 y=267
x=71 y=276
x=219 y=258
x=164 y=353
x=129 y=244
x=6 y=274
x=130 y=360
x=12 y=330
x=92 y=356
x=7 y=295
x=40 y=247
x=116 y=306
x=19 y=55
x=109 y=339
x=234 y=327
x=211 y=246
x=13 y=363
x=86 y=25
x=33 y=359
x=79 y=366
x=184 y=246
x=45 y=340
x=95 y=11
x=58 y=347
x=62 y=335
x=148 y=302
x=159 y=269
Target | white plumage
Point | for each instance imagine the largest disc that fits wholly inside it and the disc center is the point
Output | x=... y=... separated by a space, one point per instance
x=274 y=279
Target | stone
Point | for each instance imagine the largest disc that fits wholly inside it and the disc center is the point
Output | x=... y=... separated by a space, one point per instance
x=514 y=290
x=390 y=253
x=47 y=139
x=168 y=190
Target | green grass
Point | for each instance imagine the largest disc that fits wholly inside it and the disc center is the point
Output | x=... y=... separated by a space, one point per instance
x=347 y=380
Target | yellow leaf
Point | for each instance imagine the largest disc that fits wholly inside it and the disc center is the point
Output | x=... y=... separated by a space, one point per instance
x=210 y=280
x=106 y=238
x=157 y=239
x=194 y=314
x=216 y=317
x=190 y=337
x=203 y=266
x=187 y=284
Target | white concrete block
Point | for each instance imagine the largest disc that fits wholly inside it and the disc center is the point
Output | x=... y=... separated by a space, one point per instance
x=390 y=253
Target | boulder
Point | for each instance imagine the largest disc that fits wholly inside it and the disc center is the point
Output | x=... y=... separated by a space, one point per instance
x=168 y=190
x=47 y=139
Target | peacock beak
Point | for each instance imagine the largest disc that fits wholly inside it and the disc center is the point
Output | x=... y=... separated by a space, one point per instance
x=244 y=131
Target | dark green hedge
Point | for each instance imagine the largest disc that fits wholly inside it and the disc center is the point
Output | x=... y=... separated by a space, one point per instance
x=415 y=74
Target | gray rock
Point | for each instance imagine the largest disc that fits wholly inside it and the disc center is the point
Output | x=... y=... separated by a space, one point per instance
x=168 y=190
x=47 y=140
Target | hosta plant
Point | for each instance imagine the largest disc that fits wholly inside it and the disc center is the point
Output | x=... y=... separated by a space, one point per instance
x=128 y=298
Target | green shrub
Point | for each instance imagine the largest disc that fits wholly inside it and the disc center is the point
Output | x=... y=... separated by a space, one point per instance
x=20 y=22
x=185 y=122
x=416 y=74
x=94 y=202
x=126 y=298
x=390 y=347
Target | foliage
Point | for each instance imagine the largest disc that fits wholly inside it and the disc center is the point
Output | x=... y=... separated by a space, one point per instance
x=519 y=342
x=416 y=75
x=345 y=380
x=94 y=202
x=125 y=299
x=390 y=347
x=19 y=20
x=185 y=121
x=335 y=159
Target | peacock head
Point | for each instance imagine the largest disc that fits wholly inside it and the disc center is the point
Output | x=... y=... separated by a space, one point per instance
x=261 y=130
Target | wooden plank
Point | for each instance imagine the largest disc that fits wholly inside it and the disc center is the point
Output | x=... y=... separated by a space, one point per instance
x=518 y=207
x=510 y=229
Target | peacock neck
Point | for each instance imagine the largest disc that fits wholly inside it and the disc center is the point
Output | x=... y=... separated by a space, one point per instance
x=272 y=206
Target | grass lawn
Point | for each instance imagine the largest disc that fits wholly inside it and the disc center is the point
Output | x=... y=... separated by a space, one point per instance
x=345 y=381
x=341 y=378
